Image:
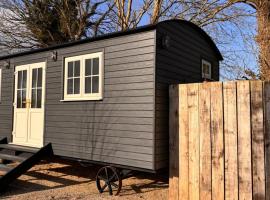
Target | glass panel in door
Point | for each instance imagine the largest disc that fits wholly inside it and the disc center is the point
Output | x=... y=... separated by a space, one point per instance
x=36 y=88
x=21 y=89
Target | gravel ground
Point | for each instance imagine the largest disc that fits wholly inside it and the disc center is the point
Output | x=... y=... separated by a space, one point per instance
x=59 y=180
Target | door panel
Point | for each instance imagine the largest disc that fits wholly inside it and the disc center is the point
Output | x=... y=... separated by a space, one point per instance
x=29 y=98
x=20 y=110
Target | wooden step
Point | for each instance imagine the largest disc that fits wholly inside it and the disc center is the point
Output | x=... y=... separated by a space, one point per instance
x=11 y=157
x=18 y=148
x=5 y=168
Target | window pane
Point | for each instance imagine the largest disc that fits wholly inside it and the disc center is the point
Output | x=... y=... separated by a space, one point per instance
x=19 y=84
x=77 y=69
x=24 y=79
x=95 y=66
x=39 y=98
x=23 y=98
x=70 y=86
x=88 y=85
x=34 y=78
x=95 y=82
x=88 y=64
x=34 y=98
x=76 y=85
x=70 y=69
x=19 y=98
x=39 y=81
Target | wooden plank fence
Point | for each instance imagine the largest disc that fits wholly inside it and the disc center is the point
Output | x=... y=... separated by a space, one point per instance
x=220 y=141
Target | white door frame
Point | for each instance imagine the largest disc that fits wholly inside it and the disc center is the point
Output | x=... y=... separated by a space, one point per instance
x=28 y=122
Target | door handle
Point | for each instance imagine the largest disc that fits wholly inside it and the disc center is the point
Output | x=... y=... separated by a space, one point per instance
x=27 y=102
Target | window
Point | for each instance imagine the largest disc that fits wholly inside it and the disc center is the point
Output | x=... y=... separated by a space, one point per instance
x=206 y=69
x=84 y=77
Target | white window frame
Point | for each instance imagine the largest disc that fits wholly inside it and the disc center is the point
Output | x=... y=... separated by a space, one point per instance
x=83 y=96
x=206 y=76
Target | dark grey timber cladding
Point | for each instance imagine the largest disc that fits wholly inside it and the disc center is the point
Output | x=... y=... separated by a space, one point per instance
x=120 y=128
x=180 y=63
x=6 y=102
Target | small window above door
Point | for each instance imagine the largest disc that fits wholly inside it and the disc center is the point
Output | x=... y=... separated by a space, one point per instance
x=206 y=69
x=84 y=77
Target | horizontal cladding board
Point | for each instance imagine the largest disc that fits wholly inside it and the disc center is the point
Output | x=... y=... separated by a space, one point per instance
x=130 y=52
x=130 y=73
x=108 y=146
x=102 y=133
x=69 y=127
x=123 y=93
x=111 y=153
x=190 y=37
x=113 y=87
x=114 y=80
x=128 y=59
x=88 y=141
x=82 y=106
x=130 y=45
x=113 y=42
x=82 y=119
x=107 y=159
x=123 y=100
x=103 y=113
x=57 y=67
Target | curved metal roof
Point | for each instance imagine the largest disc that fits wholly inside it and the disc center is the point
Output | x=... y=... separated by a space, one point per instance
x=117 y=34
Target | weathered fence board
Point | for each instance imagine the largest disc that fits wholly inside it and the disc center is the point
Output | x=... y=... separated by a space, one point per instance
x=230 y=138
x=183 y=145
x=257 y=140
x=244 y=141
x=194 y=141
x=222 y=139
x=205 y=144
x=267 y=137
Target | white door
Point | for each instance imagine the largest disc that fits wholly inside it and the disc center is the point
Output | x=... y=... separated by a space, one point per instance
x=29 y=96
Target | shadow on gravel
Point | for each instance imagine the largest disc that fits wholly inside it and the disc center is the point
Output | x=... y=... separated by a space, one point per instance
x=60 y=173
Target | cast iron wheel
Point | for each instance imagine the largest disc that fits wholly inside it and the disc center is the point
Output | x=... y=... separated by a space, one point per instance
x=108 y=178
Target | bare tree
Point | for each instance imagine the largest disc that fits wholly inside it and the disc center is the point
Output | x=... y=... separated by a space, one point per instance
x=263 y=37
x=32 y=23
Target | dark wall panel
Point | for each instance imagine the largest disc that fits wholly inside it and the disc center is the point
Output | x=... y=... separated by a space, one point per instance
x=180 y=63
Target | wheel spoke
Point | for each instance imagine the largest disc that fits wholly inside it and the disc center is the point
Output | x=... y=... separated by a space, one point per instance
x=114 y=185
x=101 y=178
x=106 y=172
x=110 y=189
x=104 y=187
x=112 y=178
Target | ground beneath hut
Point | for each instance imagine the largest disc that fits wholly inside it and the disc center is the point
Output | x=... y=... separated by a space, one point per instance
x=60 y=180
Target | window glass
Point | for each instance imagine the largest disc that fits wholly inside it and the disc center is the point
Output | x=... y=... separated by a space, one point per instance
x=95 y=66
x=88 y=85
x=74 y=73
x=70 y=69
x=206 y=69
x=83 y=72
x=92 y=76
x=95 y=83
x=88 y=66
